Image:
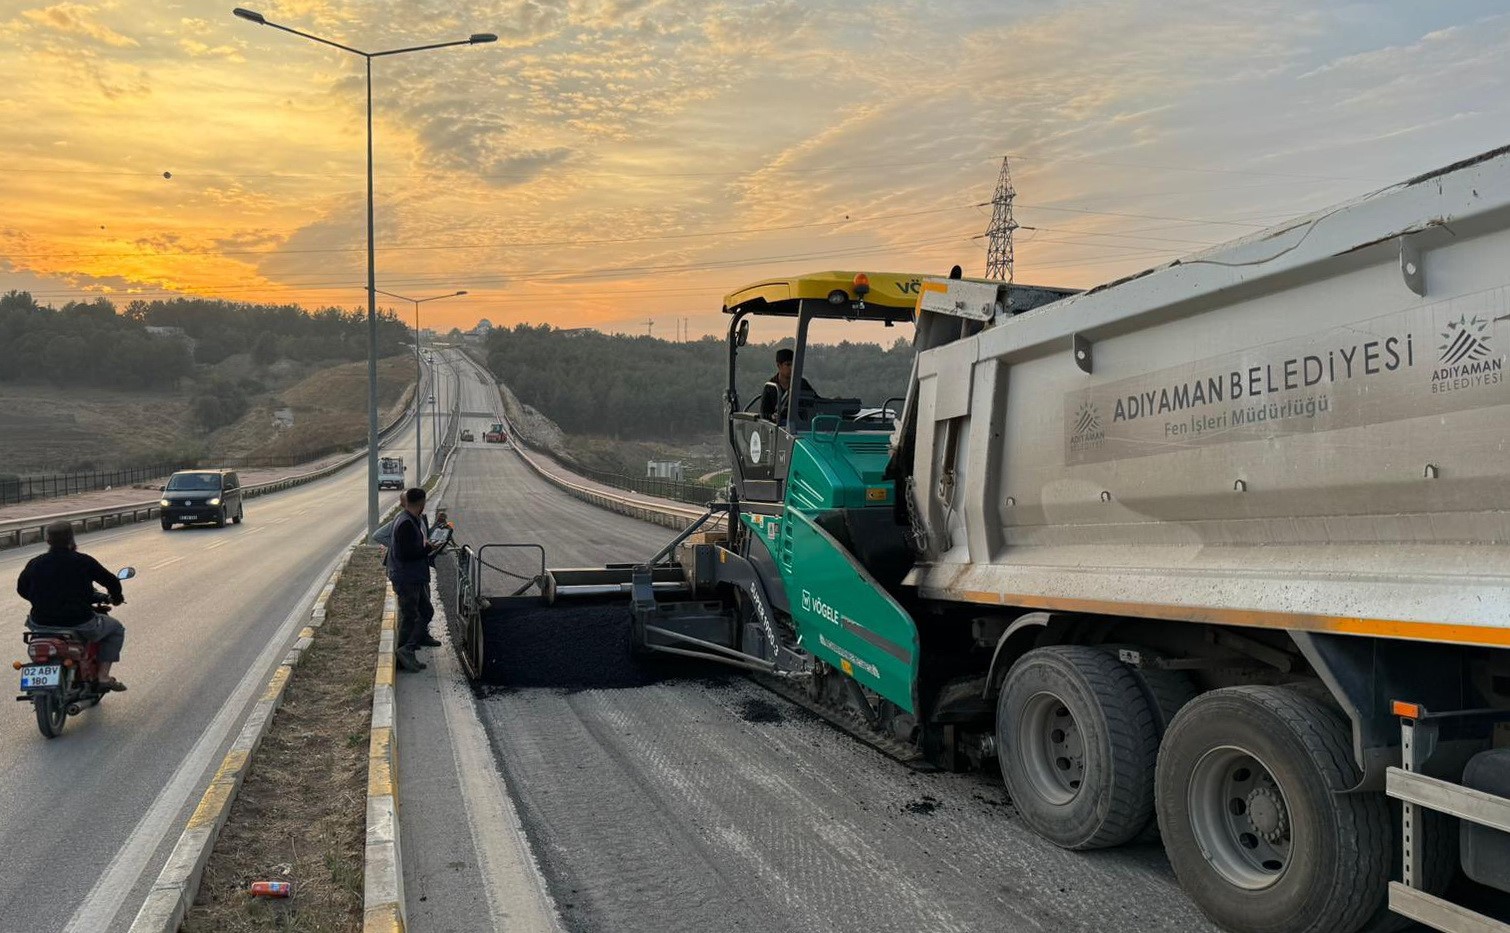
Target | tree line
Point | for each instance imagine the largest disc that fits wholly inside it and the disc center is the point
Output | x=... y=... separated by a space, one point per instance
x=646 y=388
x=91 y=343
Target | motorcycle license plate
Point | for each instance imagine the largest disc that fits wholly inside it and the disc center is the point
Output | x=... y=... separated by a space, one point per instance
x=188 y=518
x=41 y=675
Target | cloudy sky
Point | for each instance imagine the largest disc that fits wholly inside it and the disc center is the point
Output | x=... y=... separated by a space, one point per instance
x=613 y=161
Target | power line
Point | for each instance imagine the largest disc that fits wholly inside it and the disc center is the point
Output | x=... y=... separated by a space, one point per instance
x=502 y=244
x=555 y=275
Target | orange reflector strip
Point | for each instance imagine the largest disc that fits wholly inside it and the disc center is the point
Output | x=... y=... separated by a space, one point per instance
x=876 y=494
x=1406 y=710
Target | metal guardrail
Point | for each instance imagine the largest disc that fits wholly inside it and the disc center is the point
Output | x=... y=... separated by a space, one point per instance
x=680 y=490
x=664 y=514
x=19 y=531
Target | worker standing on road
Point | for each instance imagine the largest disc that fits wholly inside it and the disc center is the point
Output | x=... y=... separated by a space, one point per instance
x=773 y=396
x=409 y=570
x=59 y=584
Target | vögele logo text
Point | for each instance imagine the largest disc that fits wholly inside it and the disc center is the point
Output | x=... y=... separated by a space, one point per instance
x=817 y=606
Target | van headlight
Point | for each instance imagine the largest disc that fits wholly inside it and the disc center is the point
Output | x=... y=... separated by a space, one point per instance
x=214 y=501
x=164 y=503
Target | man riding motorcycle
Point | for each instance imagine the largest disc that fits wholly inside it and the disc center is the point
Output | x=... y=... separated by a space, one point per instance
x=59 y=584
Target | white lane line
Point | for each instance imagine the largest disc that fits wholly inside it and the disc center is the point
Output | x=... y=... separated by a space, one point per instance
x=109 y=893
x=171 y=560
x=211 y=547
x=258 y=530
x=511 y=878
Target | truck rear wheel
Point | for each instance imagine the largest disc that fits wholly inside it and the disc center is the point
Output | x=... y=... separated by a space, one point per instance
x=1255 y=820
x=1077 y=744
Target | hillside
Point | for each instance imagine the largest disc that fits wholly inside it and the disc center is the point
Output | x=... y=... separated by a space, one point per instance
x=89 y=386
x=52 y=429
x=328 y=409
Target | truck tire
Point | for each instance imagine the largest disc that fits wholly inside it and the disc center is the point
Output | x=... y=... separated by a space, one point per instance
x=1077 y=744
x=1167 y=693
x=1254 y=818
x=1438 y=833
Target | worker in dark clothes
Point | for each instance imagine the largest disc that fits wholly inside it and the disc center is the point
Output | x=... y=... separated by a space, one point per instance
x=59 y=584
x=409 y=571
x=773 y=396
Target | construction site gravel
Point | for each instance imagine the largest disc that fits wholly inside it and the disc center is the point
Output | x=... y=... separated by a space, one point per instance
x=677 y=798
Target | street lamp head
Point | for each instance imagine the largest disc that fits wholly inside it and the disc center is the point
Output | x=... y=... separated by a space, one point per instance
x=251 y=15
x=478 y=38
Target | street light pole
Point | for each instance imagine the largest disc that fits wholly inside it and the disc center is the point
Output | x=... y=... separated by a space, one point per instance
x=478 y=38
x=419 y=374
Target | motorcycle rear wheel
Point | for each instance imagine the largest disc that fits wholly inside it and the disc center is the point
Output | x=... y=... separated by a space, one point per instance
x=52 y=714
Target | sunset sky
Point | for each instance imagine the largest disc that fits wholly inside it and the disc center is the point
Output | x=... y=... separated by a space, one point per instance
x=609 y=161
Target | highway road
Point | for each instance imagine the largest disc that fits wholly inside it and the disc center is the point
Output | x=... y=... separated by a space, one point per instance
x=90 y=817
x=693 y=799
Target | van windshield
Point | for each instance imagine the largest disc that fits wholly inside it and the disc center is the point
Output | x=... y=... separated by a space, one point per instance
x=182 y=482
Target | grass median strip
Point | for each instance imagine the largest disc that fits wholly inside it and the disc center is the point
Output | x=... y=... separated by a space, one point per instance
x=300 y=816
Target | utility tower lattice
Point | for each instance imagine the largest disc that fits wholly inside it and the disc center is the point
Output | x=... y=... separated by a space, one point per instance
x=999 y=234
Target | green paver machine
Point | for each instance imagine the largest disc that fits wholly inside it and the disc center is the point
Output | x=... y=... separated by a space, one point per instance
x=813 y=520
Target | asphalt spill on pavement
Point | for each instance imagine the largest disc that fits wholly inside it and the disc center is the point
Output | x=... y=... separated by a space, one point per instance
x=760 y=711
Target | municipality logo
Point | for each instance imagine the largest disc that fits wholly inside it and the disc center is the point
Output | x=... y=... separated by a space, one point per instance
x=1465 y=341
x=1087 y=432
x=807 y=601
x=1468 y=360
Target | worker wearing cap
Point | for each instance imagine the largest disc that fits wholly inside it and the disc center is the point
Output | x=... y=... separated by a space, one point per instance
x=773 y=396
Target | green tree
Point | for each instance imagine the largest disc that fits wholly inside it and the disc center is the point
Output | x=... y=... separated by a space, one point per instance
x=265 y=350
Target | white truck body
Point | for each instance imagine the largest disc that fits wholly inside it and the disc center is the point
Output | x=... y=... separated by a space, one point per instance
x=1278 y=472
x=1305 y=429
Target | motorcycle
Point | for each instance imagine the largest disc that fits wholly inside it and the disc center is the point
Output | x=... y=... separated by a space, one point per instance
x=60 y=678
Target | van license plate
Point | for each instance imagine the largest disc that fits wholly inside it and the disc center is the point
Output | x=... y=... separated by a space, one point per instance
x=41 y=675
x=188 y=518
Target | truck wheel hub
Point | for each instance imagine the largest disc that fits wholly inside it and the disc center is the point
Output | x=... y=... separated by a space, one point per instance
x=1266 y=814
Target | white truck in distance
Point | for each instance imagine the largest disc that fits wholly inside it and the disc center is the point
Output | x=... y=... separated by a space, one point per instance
x=391 y=473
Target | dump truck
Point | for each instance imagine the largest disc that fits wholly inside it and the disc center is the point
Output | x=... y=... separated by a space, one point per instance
x=1217 y=554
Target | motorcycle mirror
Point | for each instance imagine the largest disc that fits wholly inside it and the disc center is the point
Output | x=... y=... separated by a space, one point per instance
x=125 y=573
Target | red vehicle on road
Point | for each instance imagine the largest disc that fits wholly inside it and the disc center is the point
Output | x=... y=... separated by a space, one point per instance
x=496 y=434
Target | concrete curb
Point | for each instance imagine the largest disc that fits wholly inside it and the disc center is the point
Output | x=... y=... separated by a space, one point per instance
x=383 y=877
x=178 y=882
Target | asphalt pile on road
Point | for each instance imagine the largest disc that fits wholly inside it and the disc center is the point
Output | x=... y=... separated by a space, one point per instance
x=571 y=646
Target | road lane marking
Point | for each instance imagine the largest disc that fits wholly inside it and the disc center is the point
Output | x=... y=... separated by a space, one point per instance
x=109 y=894
x=511 y=878
x=171 y=560
x=211 y=547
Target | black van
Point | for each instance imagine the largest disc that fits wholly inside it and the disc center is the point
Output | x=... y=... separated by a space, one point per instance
x=194 y=497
